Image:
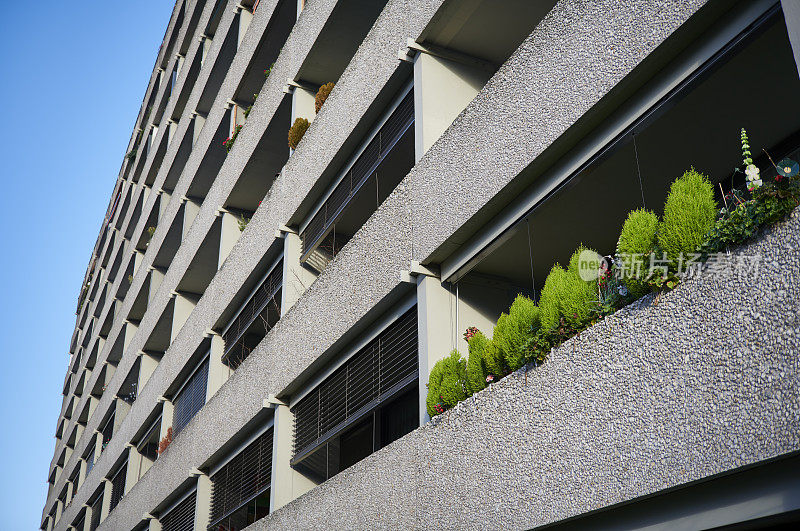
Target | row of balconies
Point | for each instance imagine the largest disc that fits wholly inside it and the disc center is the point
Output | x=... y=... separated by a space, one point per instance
x=301 y=258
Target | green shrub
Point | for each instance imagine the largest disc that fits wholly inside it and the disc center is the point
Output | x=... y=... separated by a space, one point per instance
x=322 y=95
x=689 y=215
x=493 y=360
x=514 y=331
x=567 y=296
x=638 y=237
x=446 y=384
x=296 y=132
x=476 y=366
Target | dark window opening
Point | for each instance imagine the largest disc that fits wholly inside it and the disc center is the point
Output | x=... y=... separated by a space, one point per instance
x=107 y=431
x=97 y=507
x=377 y=171
x=241 y=488
x=367 y=403
x=257 y=317
x=190 y=398
x=180 y=517
x=118 y=486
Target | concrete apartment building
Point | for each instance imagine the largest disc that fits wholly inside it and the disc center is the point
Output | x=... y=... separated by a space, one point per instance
x=277 y=311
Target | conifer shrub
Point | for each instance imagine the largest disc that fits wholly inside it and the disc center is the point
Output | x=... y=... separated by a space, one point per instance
x=476 y=366
x=322 y=95
x=566 y=296
x=689 y=214
x=493 y=360
x=514 y=331
x=636 y=241
x=446 y=384
x=296 y=132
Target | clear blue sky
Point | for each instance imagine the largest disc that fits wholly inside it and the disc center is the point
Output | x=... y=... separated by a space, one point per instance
x=72 y=79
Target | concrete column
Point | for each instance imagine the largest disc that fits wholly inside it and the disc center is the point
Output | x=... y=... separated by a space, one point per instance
x=134 y=465
x=218 y=372
x=436 y=330
x=206 y=46
x=121 y=411
x=78 y=432
x=82 y=472
x=303 y=104
x=184 y=304
x=442 y=89
x=147 y=365
x=59 y=510
x=70 y=491
x=202 y=511
x=166 y=418
x=791 y=13
x=164 y=200
x=296 y=278
x=67 y=454
x=137 y=261
x=155 y=278
x=154 y=525
x=229 y=235
x=197 y=126
x=171 y=128
x=129 y=331
x=92 y=405
x=106 y=507
x=286 y=483
x=190 y=211
x=245 y=18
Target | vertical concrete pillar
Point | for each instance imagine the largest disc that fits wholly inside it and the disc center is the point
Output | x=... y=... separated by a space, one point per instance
x=190 y=211
x=167 y=411
x=202 y=511
x=791 y=14
x=303 y=104
x=147 y=365
x=245 y=18
x=197 y=126
x=163 y=202
x=134 y=466
x=106 y=507
x=218 y=372
x=172 y=127
x=206 y=46
x=122 y=409
x=296 y=278
x=229 y=235
x=436 y=330
x=153 y=525
x=129 y=331
x=78 y=432
x=83 y=471
x=92 y=405
x=59 y=510
x=184 y=304
x=67 y=454
x=154 y=279
x=286 y=483
x=442 y=88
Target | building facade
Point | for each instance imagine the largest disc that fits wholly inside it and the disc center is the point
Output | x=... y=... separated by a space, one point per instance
x=257 y=323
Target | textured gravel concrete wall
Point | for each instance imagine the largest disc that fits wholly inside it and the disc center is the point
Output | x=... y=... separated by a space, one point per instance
x=704 y=380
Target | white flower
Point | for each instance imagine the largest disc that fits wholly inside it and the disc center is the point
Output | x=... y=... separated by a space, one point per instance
x=752 y=185
x=752 y=172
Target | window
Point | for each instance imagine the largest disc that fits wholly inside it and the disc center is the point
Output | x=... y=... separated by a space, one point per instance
x=387 y=156
x=118 y=486
x=181 y=516
x=78 y=524
x=241 y=487
x=190 y=398
x=368 y=402
x=75 y=479
x=107 y=431
x=148 y=447
x=97 y=507
x=89 y=455
x=256 y=317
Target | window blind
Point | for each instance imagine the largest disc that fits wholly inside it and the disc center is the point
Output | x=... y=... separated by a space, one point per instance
x=118 y=486
x=180 y=517
x=191 y=398
x=241 y=480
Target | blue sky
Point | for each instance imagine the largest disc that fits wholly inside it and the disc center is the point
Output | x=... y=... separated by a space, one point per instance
x=73 y=75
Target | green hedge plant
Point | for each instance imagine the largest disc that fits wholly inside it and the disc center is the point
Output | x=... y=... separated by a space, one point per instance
x=514 y=331
x=636 y=241
x=567 y=298
x=689 y=214
x=476 y=366
x=446 y=384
